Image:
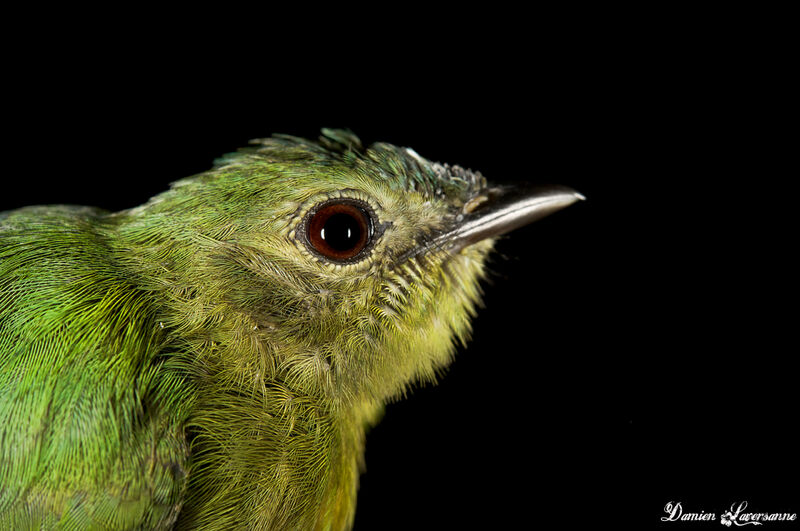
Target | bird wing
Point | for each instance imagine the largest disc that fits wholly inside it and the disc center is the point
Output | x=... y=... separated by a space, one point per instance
x=90 y=430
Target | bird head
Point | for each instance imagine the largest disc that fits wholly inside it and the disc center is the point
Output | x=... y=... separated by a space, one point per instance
x=340 y=270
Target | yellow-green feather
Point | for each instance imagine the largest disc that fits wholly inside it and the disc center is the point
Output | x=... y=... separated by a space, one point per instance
x=188 y=362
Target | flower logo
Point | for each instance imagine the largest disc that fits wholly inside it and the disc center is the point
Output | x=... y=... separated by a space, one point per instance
x=726 y=518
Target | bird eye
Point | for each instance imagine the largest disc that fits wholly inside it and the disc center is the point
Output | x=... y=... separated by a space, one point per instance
x=339 y=229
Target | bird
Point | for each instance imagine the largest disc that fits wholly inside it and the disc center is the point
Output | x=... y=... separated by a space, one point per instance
x=213 y=358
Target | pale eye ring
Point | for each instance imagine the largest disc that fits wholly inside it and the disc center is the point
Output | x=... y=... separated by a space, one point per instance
x=340 y=230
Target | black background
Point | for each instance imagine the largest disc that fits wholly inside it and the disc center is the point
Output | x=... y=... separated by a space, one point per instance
x=635 y=349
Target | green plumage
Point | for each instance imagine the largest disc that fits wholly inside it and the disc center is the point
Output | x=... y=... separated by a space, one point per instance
x=190 y=362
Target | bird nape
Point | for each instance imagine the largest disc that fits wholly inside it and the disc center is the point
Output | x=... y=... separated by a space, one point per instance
x=212 y=358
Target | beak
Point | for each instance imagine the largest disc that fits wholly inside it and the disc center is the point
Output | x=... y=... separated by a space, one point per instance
x=506 y=209
x=498 y=211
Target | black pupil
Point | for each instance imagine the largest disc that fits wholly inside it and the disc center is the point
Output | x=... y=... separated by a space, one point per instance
x=341 y=231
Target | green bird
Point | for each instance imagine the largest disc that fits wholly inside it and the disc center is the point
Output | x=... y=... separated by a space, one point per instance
x=213 y=358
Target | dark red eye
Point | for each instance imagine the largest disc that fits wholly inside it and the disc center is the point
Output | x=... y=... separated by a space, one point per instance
x=339 y=230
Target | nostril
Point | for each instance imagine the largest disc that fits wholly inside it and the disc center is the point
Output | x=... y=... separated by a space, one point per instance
x=475 y=203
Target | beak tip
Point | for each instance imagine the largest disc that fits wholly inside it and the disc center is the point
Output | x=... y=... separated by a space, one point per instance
x=562 y=196
x=568 y=194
